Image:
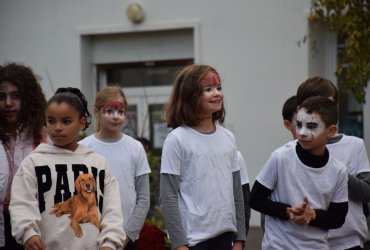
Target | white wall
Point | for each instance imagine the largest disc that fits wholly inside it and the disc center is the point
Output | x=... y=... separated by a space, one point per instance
x=253 y=43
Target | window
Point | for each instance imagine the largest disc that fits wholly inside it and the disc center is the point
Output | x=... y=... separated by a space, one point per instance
x=143 y=74
x=147 y=86
x=350 y=110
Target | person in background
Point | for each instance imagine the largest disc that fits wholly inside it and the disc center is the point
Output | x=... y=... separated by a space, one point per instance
x=303 y=189
x=22 y=125
x=289 y=113
x=352 y=152
x=126 y=157
x=200 y=189
x=64 y=195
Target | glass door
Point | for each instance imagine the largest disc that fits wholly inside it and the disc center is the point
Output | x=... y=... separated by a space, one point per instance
x=147 y=86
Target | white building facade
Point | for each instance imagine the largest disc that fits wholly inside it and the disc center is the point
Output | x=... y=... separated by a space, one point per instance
x=256 y=46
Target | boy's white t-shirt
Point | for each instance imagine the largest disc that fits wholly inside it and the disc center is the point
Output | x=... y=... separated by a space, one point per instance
x=204 y=163
x=290 y=180
x=352 y=152
x=127 y=160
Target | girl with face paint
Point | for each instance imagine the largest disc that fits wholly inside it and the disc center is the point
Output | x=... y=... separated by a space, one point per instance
x=126 y=157
x=200 y=188
x=303 y=189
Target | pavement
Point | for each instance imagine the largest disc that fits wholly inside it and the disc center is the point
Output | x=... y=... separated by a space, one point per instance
x=255 y=235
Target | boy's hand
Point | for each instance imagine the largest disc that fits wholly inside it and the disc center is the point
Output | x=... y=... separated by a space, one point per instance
x=106 y=248
x=303 y=214
x=35 y=243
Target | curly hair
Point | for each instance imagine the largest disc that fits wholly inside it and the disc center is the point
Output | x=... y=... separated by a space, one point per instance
x=33 y=102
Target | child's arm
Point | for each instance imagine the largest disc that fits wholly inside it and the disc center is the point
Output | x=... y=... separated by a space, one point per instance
x=35 y=243
x=247 y=208
x=168 y=199
x=135 y=223
x=4 y=174
x=4 y=178
x=359 y=187
x=111 y=225
x=261 y=202
x=24 y=205
x=240 y=237
x=332 y=218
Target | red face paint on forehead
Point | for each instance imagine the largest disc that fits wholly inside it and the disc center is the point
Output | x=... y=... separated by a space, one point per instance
x=115 y=105
x=211 y=79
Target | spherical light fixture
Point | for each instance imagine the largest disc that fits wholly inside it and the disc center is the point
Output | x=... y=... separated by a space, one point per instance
x=135 y=13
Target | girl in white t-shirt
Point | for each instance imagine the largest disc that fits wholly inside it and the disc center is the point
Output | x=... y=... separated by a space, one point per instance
x=200 y=190
x=126 y=157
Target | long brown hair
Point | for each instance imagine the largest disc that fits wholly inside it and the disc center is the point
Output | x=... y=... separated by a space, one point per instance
x=183 y=105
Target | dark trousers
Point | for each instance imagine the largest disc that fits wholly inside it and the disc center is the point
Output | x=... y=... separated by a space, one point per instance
x=355 y=248
x=10 y=243
x=221 y=242
x=130 y=245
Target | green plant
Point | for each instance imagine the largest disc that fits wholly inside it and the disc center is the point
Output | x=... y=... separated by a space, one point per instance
x=81 y=135
x=154 y=214
x=153 y=235
x=350 y=21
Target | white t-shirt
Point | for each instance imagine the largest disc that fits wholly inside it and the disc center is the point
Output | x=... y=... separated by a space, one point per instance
x=128 y=160
x=204 y=163
x=290 y=180
x=244 y=178
x=352 y=152
x=4 y=175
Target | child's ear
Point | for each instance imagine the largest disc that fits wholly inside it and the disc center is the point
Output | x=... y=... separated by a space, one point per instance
x=96 y=111
x=332 y=130
x=82 y=123
x=288 y=125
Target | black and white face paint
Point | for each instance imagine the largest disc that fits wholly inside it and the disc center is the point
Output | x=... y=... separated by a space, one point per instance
x=309 y=125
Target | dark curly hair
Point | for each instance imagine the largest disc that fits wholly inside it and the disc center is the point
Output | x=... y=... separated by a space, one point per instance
x=33 y=102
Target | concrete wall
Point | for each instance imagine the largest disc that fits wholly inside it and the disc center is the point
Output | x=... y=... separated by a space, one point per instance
x=255 y=44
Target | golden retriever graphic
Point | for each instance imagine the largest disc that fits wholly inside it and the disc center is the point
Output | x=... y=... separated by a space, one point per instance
x=81 y=207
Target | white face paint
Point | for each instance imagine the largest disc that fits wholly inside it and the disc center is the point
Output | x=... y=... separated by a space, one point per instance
x=212 y=90
x=114 y=110
x=309 y=125
x=211 y=85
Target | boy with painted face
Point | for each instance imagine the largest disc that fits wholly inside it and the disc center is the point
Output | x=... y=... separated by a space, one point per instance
x=303 y=189
x=351 y=151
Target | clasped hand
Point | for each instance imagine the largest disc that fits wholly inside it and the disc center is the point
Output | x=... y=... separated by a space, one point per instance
x=302 y=214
